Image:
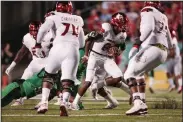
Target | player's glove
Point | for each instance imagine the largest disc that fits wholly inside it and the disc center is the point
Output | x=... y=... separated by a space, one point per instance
x=84 y=59
x=94 y=36
x=38 y=51
x=10 y=68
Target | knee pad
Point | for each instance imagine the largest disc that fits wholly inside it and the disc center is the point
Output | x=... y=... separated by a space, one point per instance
x=131 y=82
x=68 y=84
x=51 y=78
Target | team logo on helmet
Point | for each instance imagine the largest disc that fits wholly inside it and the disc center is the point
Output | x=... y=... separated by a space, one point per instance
x=64 y=6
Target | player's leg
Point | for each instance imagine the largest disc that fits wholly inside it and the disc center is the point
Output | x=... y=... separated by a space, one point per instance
x=141 y=89
x=51 y=69
x=90 y=72
x=178 y=72
x=107 y=95
x=13 y=91
x=116 y=78
x=151 y=81
x=150 y=59
x=169 y=73
x=69 y=68
x=27 y=74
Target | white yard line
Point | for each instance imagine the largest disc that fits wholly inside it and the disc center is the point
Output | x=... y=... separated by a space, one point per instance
x=52 y=115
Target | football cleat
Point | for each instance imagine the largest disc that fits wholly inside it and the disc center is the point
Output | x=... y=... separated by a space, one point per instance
x=111 y=106
x=18 y=102
x=37 y=106
x=137 y=109
x=43 y=108
x=179 y=90
x=63 y=110
x=74 y=106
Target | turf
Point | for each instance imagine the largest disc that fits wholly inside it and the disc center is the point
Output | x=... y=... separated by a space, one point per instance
x=94 y=111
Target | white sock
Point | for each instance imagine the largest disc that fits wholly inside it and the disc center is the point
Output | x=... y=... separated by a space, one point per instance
x=180 y=82
x=66 y=96
x=45 y=94
x=142 y=96
x=170 y=80
x=110 y=99
x=125 y=88
x=151 y=81
x=77 y=98
x=20 y=100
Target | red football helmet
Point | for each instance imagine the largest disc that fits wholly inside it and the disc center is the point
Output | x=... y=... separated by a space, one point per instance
x=120 y=22
x=64 y=6
x=34 y=27
x=155 y=4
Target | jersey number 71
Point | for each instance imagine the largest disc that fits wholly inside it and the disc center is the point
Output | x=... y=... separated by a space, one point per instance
x=74 y=29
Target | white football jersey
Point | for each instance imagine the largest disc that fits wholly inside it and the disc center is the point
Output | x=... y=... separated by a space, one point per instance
x=68 y=27
x=108 y=37
x=30 y=42
x=155 y=22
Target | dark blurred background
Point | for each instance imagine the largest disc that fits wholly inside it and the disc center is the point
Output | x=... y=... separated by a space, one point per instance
x=16 y=15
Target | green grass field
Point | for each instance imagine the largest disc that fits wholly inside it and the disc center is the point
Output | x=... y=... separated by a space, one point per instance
x=94 y=111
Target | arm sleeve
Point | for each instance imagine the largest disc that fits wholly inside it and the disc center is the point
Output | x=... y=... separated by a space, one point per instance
x=81 y=38
x=147 y=25
x=44 y=29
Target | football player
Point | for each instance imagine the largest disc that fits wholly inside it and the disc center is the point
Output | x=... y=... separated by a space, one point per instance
x=105 y=47
x=29 y=41
x=173 y=64
x=155 y=39
x=64 y=54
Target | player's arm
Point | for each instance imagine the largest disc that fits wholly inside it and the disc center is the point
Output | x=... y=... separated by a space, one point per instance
x=45 y=27
x=147 y=26
x=81 y=38
x=169 y=38
x=19 y=56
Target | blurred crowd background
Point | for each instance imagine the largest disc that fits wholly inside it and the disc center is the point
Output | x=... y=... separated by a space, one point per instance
x=16 y=15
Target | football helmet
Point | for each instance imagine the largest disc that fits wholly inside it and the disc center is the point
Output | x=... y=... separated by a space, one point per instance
x=155 y=4
x=120 y=22
x=34 y=27
x=64 y=6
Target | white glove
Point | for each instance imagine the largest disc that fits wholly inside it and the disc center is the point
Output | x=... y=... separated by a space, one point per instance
x=10 y=68
x=132 y=52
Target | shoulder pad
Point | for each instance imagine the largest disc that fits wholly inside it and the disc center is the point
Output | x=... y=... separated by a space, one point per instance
x=147 y=10
x=106 y=26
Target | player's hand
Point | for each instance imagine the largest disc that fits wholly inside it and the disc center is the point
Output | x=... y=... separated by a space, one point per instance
x=10 y=68
x=38 y=51
x=84 y=59
x=132 y=52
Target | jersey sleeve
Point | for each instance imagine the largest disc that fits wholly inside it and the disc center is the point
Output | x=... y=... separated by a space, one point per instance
x=169 y=38
x=45 y=27
x=106 y=28
x=147 y=25
x=25 y=40
x=81 y=38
